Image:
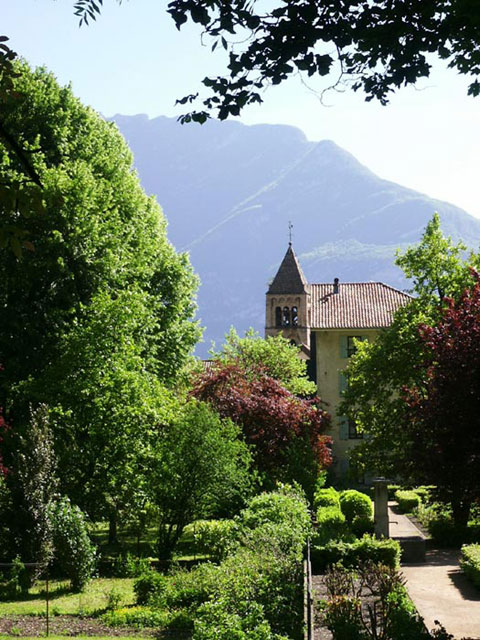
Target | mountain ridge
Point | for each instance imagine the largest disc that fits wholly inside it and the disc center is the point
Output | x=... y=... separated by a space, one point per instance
x=229 y=191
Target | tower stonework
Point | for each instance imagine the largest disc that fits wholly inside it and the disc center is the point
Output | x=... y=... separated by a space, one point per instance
x=288 y=304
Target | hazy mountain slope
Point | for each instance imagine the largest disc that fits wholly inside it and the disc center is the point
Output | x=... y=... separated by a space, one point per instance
x=229 y=190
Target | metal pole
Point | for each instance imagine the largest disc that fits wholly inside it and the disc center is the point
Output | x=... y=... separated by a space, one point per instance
x=47 y=603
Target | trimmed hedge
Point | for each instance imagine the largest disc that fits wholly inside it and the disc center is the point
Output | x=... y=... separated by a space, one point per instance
x=352 y=554
x=470 y=562
x=326 y=498
x=355 y=504
x=407 y=500
x=332 y=525
x=424 y=492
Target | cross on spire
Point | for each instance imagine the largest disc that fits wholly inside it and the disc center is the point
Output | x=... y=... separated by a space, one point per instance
x=290 y=227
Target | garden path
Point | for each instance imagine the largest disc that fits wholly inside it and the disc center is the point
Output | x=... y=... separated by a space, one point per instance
x=439 y=589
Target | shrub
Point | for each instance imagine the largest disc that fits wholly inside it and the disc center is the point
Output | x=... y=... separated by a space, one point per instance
x=191 y=588
x=392 y=489
x=370 y=549
x=287 y=505
x=407 y=500
x=217 y=622
x=355 y=504
x=17 y=582
x=326 y=498
x=362 y=525
x=470 y=562
x=182 y=620
x=343 y=618
x=425 y=493
x=332 y=525
x=387 y=613
x=402 y=621
x=150 y=588
x=444 y=531
x=272 y=579
x=215 y=538
x=353 y=554
x=74 y=551
x=129 y=566
x=136 y=617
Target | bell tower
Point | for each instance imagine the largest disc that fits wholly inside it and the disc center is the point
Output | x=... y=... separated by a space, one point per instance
x=288 y=303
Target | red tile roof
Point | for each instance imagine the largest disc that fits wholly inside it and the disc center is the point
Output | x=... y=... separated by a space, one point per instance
x=357 y=305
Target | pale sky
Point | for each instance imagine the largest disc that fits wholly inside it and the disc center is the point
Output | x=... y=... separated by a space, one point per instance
x=133 y=60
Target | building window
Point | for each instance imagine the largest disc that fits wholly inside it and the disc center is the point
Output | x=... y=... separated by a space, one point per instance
x=351 y=348
x=286 y=317
x=353 y=433
x=294 y=317
x=278 y=316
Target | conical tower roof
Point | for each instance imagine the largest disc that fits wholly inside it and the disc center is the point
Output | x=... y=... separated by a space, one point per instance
x=289 y=278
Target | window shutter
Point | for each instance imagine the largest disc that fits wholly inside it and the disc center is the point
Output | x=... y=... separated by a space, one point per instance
x=343 y=425
x=342 y=382
x=343 y=347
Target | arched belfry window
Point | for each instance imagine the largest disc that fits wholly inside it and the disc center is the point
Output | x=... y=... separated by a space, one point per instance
x=294 y=316
x=286 y=317
x=278 y=316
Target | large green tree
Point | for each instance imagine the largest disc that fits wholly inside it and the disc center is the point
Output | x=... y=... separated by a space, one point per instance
x=98 y=319
x=373 y=45
x=443 y=416
x=201 y=467
x=380 y=370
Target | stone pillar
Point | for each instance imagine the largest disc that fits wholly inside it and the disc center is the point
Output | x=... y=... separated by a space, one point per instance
x=381 y=508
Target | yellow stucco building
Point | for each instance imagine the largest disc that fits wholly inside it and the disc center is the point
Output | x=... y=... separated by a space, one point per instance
x=323 y=320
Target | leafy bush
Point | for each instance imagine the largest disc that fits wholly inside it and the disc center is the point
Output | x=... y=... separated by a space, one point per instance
x=286 y=505
x=403 y=622
x=362 y=525
x=326 y=498
x=136 y=617
x=332 y=525
x=392 y=489
x=191 y=588
x=216 y=622
x=343 y=617
x=388 y=612
x=74 y=551
x=355 y=504
x=215 y=537
x=353 y=554
x=256 y=592
x=273 y=578
x=129 y=566
x=444 y=531
x=407 y=500
x=470 y=562
x=150 y=588
x=17 y=581
x=425 y=493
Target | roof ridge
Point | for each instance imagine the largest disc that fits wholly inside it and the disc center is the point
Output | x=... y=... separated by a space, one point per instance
x=370 y=282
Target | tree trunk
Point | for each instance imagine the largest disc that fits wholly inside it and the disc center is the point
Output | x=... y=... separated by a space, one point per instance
x=112 y=528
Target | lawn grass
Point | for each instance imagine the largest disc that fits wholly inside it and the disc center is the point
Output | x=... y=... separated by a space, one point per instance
x=64 y=602
x=145 y=546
